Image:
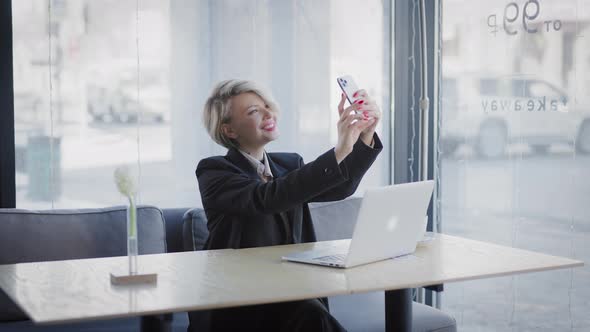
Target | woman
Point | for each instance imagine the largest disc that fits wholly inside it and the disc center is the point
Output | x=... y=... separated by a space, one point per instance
x=253 y=198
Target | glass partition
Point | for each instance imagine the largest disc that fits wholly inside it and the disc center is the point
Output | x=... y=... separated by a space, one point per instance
x=514 y=155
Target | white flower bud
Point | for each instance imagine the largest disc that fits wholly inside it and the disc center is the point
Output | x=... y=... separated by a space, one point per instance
x=124 y=181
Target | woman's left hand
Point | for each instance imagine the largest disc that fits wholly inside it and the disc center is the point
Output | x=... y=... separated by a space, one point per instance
x=366 y=106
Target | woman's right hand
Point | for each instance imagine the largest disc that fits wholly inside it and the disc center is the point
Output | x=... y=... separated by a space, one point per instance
x=350 y=126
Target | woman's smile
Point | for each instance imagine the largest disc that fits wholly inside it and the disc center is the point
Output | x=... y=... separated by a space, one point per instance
x=269 y=125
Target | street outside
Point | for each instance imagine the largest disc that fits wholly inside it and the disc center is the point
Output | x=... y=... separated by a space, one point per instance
x=90 y=155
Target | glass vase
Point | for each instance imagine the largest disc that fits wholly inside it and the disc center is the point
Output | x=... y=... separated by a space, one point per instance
x=132 y=236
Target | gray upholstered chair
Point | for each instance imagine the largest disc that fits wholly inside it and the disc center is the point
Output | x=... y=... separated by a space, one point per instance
x=358 y=312
x=33 y=236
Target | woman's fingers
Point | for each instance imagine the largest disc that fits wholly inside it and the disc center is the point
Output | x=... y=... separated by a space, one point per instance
x=348 y=123
x=368 y=107
x=356 y=126
x=341 y=104
x=361 y=123
x=359 y=94
x=362 y=102
x=352 y=108
x=350 y=115
x=348 y=111
x=365 y=103
x=372 y=113
x=357 y=118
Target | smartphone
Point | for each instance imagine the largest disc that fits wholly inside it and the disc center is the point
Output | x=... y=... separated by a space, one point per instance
x=348 y=86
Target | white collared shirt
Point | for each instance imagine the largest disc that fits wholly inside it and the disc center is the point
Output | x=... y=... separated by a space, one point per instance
x=262 y=168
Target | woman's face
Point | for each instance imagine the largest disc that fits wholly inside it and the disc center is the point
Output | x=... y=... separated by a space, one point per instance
x=252 y=123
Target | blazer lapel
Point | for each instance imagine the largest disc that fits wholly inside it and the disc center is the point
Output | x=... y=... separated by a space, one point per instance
x=276 y=169
x=240 y=161
x=291 y=223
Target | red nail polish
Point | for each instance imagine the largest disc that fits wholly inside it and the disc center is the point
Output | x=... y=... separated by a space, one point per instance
x=361 y=101
x=365 y=113
x=354 y=95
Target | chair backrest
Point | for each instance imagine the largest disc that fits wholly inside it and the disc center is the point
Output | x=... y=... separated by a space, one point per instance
x=174 y=229
x=194 y=229
x=35 y=236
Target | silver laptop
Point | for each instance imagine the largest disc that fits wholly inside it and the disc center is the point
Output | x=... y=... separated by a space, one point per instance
x=389 y=224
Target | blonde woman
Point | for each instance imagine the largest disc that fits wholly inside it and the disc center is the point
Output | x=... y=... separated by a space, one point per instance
x=255 y=198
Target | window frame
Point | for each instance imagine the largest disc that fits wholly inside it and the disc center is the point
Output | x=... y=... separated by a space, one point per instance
x=7 y=152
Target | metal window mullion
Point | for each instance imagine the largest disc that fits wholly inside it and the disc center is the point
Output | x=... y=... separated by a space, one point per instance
x=7 y=141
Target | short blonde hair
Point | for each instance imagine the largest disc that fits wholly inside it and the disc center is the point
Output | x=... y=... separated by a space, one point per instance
x=217 y=110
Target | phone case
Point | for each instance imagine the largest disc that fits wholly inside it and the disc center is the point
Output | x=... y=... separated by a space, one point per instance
x=348 y=86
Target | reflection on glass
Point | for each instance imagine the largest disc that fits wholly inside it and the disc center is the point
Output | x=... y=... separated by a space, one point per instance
x=513 y=154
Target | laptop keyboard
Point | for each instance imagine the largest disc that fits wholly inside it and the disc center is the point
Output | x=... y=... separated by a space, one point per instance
x=336 y=258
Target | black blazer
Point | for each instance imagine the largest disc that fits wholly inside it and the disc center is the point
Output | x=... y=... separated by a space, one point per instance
x=243 y=211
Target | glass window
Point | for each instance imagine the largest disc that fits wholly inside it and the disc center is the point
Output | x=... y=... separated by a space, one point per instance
x=514 y=159
x=100 y=84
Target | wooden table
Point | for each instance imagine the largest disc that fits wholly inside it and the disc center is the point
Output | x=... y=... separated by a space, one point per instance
x=80 y=290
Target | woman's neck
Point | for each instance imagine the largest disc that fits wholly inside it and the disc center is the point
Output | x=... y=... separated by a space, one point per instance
x=256 y=152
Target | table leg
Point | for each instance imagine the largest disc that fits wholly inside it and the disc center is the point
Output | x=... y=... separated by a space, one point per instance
x=398 y=310
x=156 y=323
